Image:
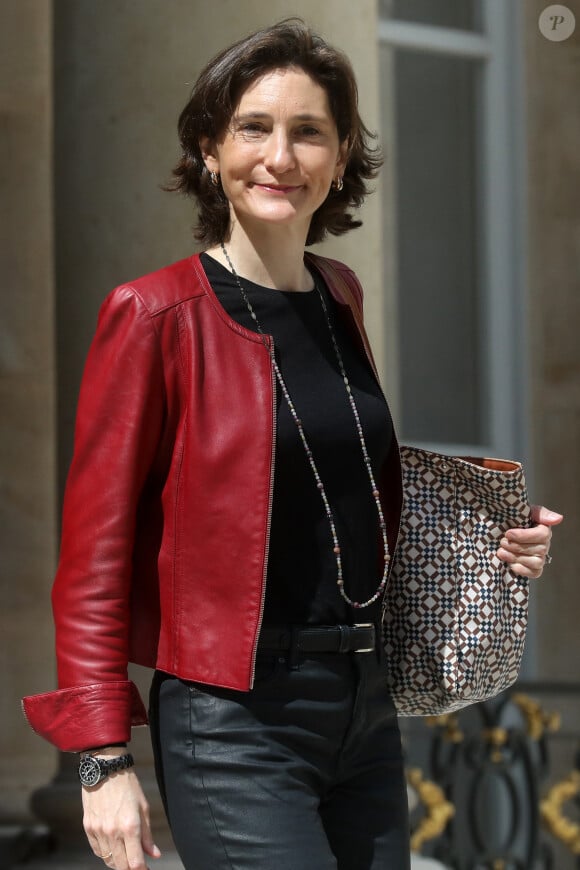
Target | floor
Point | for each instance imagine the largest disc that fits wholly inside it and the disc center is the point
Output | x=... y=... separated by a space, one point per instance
x=86 y=862
x=83 y=860
x=167 y=862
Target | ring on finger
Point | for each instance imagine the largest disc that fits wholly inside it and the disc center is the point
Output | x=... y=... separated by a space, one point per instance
x=548 y=559
x=105 y=857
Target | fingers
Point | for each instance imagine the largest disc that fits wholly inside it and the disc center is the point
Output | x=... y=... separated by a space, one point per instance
x=531 y=565
x=123 y=857
x=527 y=560
x=545 y=516
x=119 y=860
x=122 y=854
x=526 y=550
x=512 y=553
x=116 y=821
x=536 y=535
x=107 y=851
x=124 y=850
x=147 y=841
x=133 y=855
x=106 y=855
x=98 y=844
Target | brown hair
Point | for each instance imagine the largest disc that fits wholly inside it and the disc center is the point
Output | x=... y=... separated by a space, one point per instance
x=214 y=99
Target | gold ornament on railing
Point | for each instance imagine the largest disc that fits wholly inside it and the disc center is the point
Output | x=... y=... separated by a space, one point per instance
x=563 y=828
x=496 y=738
x=449 y=725
x=438 y=810
x=537 y=720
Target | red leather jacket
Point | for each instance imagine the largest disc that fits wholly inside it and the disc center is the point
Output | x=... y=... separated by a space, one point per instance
x=167 y=506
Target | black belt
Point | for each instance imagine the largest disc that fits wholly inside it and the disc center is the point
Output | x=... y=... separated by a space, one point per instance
x=319 y=638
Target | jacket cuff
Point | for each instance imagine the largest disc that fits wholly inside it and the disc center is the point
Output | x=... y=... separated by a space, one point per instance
x=96 y=715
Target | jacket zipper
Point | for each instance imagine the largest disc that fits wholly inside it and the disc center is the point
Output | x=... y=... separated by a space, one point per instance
x=26 y=719
x=329 y=275
x=271 y=498
x=269 y=523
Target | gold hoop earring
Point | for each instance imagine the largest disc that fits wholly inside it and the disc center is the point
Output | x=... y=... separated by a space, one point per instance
x=338 y=184
x=214 y=178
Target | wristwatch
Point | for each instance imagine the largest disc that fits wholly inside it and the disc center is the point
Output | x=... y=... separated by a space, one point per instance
x=93 y=770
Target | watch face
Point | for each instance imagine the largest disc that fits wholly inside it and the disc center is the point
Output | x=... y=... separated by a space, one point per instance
x=89 y=771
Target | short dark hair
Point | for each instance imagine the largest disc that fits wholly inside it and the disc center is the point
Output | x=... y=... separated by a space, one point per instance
x=217 y=92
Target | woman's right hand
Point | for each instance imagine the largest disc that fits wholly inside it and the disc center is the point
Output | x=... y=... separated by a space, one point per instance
x=116 y=822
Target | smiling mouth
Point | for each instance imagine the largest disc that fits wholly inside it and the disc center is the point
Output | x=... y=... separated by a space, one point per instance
x=279 y=188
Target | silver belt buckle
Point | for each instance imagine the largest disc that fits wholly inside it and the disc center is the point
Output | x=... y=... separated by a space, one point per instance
x=364 y=625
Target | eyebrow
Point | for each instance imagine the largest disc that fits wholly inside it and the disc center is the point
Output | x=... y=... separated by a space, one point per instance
x=303 y=116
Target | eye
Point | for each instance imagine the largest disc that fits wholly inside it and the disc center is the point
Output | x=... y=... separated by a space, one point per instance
x=251 y=129
x=309 y=130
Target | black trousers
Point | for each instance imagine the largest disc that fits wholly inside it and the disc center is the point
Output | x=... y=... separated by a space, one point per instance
x=305 y=771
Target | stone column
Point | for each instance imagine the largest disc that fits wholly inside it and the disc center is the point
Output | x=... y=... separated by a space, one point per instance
x=553 y=112
x=27 y=390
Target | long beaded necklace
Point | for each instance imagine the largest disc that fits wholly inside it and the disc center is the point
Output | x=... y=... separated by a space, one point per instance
x=309 y=455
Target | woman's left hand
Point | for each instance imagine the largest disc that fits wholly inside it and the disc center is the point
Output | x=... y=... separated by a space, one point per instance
x=526 y=550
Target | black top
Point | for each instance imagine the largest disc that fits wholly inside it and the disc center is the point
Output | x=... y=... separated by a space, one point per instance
x=301 y=580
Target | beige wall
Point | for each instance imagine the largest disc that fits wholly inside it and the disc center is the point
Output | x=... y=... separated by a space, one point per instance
x=553 y=109
x=27 y=433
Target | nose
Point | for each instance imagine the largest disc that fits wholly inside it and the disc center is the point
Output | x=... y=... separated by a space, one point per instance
x=279 y=156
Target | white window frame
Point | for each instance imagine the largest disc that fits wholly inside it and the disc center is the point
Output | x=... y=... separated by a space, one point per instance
x=501 y=187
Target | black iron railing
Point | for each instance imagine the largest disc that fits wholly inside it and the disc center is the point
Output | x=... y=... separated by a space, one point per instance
x=499 y=782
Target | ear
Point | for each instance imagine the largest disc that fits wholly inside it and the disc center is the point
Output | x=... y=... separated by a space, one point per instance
x=209 y=153
x=342 y=158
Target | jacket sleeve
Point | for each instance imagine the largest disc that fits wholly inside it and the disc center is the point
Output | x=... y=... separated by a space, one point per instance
x=119 y=421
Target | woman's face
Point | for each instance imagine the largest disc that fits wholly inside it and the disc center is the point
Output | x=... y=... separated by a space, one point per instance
x=280 y=153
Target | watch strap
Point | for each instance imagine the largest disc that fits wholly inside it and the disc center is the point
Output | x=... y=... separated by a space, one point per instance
x=122 y=762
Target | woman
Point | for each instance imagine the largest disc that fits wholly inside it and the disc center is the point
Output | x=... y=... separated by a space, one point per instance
x=234 y=468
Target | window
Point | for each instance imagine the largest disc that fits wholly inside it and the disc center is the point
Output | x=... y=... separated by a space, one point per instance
x=452 y=131
x=459 y=14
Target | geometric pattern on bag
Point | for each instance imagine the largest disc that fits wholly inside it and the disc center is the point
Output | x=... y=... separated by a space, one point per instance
x=455 y=616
